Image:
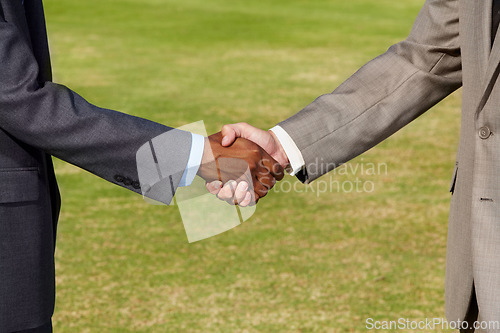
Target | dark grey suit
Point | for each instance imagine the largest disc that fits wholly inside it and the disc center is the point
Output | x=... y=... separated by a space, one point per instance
x=38 y=119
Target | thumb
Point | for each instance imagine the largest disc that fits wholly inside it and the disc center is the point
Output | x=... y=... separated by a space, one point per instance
x=230 y=133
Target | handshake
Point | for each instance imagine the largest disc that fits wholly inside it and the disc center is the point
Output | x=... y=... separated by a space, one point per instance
x=242 y=163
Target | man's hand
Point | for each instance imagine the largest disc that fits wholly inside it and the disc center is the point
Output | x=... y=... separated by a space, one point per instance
x=265 y=139
x=228 y=165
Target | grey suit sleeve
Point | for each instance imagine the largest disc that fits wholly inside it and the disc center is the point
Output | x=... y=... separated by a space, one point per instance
x=58 y=121
x=384 y=95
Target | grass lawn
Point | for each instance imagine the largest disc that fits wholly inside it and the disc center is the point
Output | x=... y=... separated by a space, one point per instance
x=306 y=261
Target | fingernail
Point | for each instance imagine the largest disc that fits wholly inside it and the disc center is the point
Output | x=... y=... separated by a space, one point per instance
x=244 y=186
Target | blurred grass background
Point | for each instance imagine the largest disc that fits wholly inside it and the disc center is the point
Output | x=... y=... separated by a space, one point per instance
x=304 y=262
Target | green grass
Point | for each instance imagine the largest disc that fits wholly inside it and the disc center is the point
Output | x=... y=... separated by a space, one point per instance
x=304 y=262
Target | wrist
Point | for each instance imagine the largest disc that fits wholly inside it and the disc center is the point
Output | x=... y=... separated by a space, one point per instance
x=206 y=158
x=279 y=155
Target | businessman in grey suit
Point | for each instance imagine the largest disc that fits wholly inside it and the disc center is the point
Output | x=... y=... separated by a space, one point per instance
x=38 y=119
x=453 y=43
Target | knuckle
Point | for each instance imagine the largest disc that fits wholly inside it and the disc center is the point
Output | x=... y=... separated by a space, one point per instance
x=253 y=166
x=255 y=154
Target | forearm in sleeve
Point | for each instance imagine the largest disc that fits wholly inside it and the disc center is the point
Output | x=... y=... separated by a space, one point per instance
x=58 y=121
x=383 y=96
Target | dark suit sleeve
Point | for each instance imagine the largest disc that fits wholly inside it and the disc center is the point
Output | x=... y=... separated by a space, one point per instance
x=58 y=121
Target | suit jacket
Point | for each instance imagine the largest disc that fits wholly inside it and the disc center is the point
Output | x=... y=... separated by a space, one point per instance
x=38 y=119
x=448 y=47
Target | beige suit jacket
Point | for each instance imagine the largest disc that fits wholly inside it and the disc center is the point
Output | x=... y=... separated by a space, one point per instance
x=448 y=47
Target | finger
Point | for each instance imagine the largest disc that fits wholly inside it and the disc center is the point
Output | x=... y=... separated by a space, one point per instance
x=275 y=169
x=266 y=180
x=214 y=187
x=248 y=197
x=259 y=189
x=227 y=191
x=240 y=192
x=247 y=200
x=228 y=135
x=240 y=130
x=254 y=200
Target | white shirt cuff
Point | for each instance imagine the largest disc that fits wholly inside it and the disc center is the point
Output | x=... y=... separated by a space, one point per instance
x=194 y=161
x=291 y=150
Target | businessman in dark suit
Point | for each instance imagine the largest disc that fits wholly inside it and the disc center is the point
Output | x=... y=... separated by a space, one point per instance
x=38 y=119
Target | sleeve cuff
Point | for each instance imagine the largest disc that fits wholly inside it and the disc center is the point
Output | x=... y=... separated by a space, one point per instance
x=194 y=161
x=291 y=150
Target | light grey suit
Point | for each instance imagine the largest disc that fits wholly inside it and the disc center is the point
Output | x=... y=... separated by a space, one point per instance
x=449 y=46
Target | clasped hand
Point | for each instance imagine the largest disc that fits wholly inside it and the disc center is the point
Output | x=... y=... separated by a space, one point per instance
x=230 y=154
